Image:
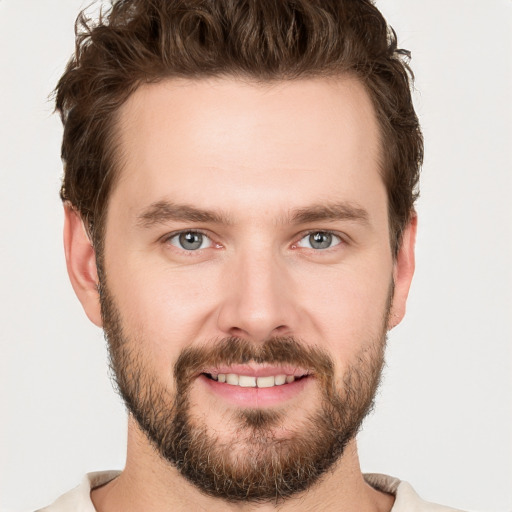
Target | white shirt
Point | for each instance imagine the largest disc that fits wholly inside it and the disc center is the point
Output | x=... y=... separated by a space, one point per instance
x=406 y=500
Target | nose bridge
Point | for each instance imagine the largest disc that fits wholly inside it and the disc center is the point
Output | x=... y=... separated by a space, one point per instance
x=258 y=305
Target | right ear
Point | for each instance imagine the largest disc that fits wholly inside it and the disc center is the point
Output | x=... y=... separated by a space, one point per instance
x=81 y=264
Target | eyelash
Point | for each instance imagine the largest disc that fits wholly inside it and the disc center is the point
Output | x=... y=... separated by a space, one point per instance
x=324 y=232
x=167 y=239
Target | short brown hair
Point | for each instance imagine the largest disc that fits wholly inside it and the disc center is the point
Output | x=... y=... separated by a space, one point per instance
x=141 y=41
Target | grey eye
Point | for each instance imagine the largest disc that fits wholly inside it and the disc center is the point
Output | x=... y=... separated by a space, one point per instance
x=190 y=241
x=319 y=240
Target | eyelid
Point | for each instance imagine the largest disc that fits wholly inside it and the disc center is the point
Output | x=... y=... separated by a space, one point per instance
x=304 y=234
x=168 y=236
x=166 y=239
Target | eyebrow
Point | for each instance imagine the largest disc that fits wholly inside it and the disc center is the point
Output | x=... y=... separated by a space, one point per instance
x=162 y=212
x=330 y=212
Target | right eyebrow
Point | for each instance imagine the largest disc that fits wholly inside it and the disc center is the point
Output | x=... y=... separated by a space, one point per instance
x=161 y=212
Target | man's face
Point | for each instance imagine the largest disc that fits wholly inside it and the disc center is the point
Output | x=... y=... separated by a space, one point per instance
x=247 y=240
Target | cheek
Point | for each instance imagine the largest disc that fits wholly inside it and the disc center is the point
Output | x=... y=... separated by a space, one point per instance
x=162 y=310
x=348 y=307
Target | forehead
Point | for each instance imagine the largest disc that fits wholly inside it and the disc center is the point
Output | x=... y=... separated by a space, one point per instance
x=232 y=141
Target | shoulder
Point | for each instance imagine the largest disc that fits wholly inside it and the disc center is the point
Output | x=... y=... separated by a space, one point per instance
x=406 y=498
x=79 y=498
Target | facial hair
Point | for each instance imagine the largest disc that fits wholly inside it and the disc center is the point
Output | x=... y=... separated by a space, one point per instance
x=255 y=465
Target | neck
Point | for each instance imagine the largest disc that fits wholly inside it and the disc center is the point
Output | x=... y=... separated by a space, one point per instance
x=150 y=483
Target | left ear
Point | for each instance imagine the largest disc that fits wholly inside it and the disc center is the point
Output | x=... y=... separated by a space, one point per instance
x=402 y=272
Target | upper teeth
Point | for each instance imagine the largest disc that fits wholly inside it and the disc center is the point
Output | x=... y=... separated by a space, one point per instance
x=249 y=381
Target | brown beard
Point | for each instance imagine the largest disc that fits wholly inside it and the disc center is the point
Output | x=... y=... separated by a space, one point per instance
x=269 y=468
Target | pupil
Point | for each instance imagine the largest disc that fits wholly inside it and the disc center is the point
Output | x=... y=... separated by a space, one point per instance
x=191 y=241
x=320 y=240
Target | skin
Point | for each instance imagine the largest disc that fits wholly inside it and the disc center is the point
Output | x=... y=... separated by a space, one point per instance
x=254 y=154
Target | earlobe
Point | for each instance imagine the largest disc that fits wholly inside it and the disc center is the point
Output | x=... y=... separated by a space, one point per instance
x=81 y=264
x=403 y=272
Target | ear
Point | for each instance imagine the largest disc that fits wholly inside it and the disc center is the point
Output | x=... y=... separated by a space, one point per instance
x=81 y=264
x=402 y=272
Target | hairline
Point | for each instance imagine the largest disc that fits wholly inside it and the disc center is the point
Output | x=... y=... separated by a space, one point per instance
x=117 y=157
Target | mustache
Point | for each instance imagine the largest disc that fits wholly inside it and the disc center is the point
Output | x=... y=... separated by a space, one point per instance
x=233 y=350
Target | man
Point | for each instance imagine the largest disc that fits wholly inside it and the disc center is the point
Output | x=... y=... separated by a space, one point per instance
x=239 y=193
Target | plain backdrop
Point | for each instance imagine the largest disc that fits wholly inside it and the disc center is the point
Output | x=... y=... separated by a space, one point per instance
x=443 y=419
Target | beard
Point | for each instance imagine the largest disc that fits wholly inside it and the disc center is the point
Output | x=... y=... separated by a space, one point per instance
x=255 y=464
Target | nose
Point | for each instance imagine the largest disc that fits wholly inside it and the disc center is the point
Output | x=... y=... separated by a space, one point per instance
x=258 y=302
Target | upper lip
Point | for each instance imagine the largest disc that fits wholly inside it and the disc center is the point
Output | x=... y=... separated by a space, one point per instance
x=254 y=370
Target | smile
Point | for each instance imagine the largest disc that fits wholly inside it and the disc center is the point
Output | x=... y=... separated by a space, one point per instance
x=256 y=386
x=251 y=381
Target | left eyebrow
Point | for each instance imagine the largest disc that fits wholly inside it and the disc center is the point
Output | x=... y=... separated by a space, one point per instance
x=329 y=212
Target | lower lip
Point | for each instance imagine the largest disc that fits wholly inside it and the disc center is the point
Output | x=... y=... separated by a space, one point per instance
x=255 y=397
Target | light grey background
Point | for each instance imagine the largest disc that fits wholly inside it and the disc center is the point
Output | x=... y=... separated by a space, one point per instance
x=444 y=415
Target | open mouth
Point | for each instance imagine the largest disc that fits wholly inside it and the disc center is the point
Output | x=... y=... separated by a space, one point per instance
x=256 y=386
x=252 y=381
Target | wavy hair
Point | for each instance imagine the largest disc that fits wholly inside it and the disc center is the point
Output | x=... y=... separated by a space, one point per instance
x=139 y=41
